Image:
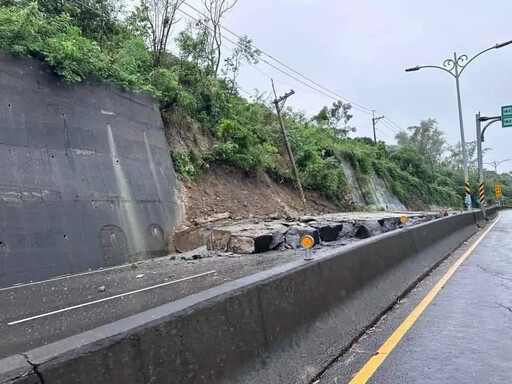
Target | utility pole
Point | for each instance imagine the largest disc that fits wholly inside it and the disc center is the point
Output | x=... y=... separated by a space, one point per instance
x=279 y=103
x=374 y=122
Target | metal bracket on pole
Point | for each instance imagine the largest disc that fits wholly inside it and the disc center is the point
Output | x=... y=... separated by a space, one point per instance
x=374 y=123
x=479 y=140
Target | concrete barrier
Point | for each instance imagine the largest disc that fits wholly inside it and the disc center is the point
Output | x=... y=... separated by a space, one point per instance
x=283 y=325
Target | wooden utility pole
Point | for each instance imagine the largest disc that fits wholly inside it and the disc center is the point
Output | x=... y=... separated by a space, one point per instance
x=279 y=103
x=374 y=122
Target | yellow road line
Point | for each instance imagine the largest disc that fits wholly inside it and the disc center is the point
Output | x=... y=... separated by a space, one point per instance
x=376 y=360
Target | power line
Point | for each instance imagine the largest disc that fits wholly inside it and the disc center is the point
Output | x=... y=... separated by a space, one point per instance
x=390 y=127
x=392 y=123
x=384 y=133
x=354 y=104
x=279 y=69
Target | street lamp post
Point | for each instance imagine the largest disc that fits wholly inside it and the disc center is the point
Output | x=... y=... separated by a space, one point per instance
x=455 y=67
x=495 y=164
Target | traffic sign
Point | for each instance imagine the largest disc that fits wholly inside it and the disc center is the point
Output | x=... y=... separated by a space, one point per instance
x=506 y=116
x=497 y=190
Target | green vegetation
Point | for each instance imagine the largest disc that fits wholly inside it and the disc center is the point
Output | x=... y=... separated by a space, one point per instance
x=95 y=39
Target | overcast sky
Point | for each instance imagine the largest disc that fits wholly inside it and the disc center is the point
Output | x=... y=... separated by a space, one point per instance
x=359 y=49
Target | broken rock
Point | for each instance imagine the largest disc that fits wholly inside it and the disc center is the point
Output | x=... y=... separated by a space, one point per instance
x=213 y=218
x=241 y=244
x=328 y=231
x=195 y=254
x=218 y=240
x=190 y=239
x=295 y=233
x=367 y=228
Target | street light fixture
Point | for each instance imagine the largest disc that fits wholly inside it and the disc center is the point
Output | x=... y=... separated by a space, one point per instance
x=455 y=67
x=496 y=163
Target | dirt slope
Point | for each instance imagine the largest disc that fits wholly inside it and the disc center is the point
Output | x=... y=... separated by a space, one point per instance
x=224 y=189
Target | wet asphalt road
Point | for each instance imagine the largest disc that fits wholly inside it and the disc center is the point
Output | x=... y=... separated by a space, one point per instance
x=164 y=280
x=36 y=314
x=463 y=336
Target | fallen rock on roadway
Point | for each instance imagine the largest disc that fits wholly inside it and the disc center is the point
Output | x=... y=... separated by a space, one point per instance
x=258 y=235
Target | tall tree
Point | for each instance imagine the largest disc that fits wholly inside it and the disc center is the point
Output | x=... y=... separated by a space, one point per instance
x=454 y=159
x=336 y=118
x=216 y=10
x=155 y=18
x=428 y=140
x=244 y=51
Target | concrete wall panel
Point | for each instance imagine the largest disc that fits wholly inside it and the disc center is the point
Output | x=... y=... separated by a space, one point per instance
x=74 y=161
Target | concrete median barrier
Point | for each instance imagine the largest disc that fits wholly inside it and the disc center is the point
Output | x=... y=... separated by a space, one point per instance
x=283 y=325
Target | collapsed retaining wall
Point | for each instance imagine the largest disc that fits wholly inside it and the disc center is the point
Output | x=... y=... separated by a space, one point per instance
x=278 y=326
x=86 y=180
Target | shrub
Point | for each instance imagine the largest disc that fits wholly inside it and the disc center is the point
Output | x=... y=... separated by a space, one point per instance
x=183 y=165
x=75 y=57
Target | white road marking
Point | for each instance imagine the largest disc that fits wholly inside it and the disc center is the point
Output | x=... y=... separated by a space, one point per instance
x=21 y=285
x=108 y=298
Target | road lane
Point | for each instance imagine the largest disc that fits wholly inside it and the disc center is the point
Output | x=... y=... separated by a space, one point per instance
x=464 y=335
x=21 y=302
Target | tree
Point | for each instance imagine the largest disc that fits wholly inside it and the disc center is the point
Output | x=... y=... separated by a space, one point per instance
x=216 y=10
x=428 y=140
x=244 y=51
x=454 y=159
x=97 y=19
x=411 y=161
x=336 y=118
x=155 y=19
x=193 y=45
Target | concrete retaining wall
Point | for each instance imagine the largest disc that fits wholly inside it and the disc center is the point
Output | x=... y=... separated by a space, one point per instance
x=86 y=180
x=278 y=326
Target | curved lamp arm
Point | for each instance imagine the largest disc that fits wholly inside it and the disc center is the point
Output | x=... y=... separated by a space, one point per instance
x=464 y=57
x=417 y=68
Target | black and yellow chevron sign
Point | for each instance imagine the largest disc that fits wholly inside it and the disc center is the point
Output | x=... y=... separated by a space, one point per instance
x=468 y=189
x=481 y=193
x=497 y=190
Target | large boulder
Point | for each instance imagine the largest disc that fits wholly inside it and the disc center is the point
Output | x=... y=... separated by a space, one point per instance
x=247 y=238
x=367 y=228
x=241 y=244
x=327 y=231
x=190 y=239
x=218 y=240
x=295 y=233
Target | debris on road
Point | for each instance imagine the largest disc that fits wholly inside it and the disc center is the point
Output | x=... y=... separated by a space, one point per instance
x=220 y=235
x=140 y=276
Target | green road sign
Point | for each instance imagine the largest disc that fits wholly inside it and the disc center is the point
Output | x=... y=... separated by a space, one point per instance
x=506 y=116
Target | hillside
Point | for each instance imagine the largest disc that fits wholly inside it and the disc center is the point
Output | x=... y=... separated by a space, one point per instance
x=225 y=147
